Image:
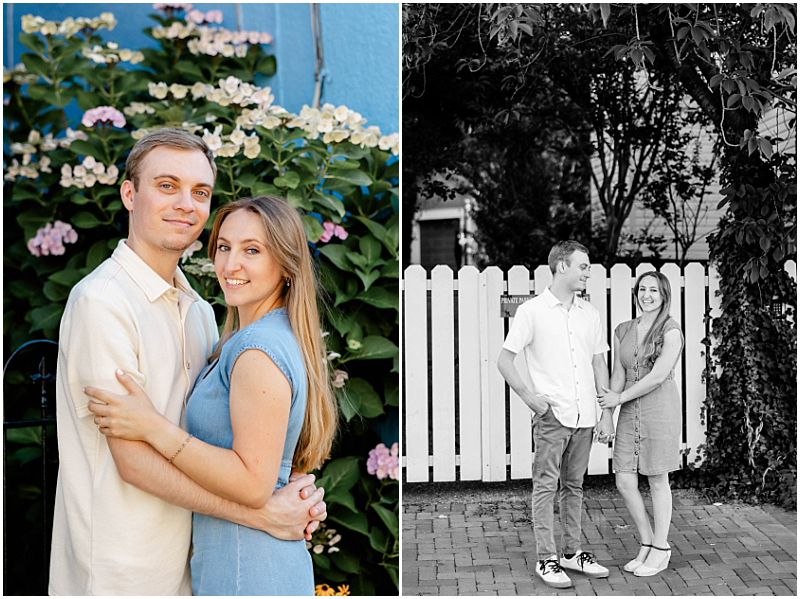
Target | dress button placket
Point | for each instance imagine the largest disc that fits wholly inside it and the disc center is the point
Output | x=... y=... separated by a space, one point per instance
x=637 y=404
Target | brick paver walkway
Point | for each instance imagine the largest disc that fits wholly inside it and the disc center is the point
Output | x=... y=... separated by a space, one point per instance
x=487 y=548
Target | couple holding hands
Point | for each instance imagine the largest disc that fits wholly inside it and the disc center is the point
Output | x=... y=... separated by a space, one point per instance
x=564 y=345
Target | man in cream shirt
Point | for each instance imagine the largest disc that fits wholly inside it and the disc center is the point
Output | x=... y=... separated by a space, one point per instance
x=122 y=522
x=564 y=343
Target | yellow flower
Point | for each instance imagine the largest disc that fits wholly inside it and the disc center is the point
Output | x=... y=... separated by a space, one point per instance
x=323 y=590
x=344 y=590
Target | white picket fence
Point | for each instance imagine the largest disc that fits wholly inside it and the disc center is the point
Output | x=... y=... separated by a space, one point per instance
x=449 y=388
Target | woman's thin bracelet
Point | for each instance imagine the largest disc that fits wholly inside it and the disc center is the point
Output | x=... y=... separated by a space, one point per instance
x=189 y=438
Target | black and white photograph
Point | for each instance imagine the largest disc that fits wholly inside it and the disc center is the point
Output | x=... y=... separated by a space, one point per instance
x=599 y=342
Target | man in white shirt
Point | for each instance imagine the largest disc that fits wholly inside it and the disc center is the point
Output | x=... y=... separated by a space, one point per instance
x=122 y=522
x=564 y=343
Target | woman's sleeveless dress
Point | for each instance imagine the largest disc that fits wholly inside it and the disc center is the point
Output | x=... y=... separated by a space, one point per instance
x=229 y=559
x=649 y=428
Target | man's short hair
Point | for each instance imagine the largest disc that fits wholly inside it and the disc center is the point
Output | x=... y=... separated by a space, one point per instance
x=562 y=250
x=171 y=138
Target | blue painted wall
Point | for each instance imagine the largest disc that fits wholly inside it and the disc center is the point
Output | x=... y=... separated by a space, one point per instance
x=360 y=45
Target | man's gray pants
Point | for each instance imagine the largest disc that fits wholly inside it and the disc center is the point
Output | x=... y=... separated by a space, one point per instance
x=562 y=454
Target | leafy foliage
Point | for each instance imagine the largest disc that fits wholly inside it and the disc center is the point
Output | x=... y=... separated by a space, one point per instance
x=735 y=62
x=338 y=173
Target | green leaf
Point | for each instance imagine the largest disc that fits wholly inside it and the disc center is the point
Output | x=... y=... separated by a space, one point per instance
x=68 y=276
x=35 y=64
x=312 y=227
x=32 y=42
x=46 y=317
x=261 y=188
x=321 y=560
x=24 y=289
x=379 y=540
x=97 y=253
x=340 y=474
x=371 y=250
x=353 y=177
x=375 y=348
x=341 y=321
x=389 y=518
x=364 y=398
x=346 y=406
x=353 y=521
x=392 y=170
x=368 y=278
x=54 y=292
x=84 y=148
x=85 y=220
x=391 y=270
x=290 y=180
x=267 y=65
x=328 y=201
x=343 y=498
x=25 y=190
x=337 y=254
x=27 y=435
x=296 y=197
x=87 y=100
x=377 y=229
x=346 y=561
x=392 y=393
x=379 y=297
x=188 y=67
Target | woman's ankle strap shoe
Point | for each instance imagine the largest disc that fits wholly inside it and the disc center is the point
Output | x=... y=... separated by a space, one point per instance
x=635 y=563
x=644 y=570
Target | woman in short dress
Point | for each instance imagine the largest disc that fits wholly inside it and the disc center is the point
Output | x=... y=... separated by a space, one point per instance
x=646 y=350
x=262 y=405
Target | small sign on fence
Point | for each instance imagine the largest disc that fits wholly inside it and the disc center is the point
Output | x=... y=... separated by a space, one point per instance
x=510 y=303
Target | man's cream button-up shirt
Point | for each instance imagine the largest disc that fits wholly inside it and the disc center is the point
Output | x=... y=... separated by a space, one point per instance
x=109 y=537
x=559 y=345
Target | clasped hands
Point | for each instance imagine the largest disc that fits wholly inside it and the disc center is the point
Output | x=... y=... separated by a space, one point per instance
x=609 y=399
x=132 y=416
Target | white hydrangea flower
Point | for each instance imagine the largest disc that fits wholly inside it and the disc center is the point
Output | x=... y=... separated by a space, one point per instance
x=89 y=162
x=228 y=150
x=237 y=137
x=178 y=91
x=252 y=152
x=230 y=85
x=341 y=113
x=158 y=90
x=213 y=140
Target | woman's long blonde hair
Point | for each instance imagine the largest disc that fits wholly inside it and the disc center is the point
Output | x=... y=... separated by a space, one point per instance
x=286 y=241
x=654 y=340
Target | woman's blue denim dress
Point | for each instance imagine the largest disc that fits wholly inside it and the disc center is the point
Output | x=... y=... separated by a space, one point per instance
x=230 y=559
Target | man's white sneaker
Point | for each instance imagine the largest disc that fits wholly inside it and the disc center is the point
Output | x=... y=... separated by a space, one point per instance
x=552 y=574
x=584 y=563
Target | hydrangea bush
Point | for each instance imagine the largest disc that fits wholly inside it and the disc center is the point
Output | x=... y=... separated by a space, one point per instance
x=64 y=216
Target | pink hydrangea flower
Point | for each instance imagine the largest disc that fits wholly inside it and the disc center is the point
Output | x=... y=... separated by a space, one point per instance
x=103 y=114
x=195 y=16
x=383 y=462
x=51 y=238
x=331 y=231
x=214 y=16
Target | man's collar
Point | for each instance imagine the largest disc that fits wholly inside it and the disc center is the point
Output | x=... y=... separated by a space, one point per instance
x=146 y=278
x=553 y=301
